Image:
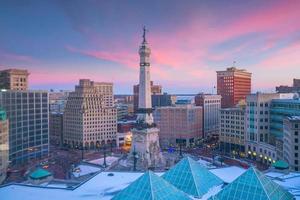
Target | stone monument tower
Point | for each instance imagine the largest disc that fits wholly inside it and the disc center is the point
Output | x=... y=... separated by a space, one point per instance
x=145 y=140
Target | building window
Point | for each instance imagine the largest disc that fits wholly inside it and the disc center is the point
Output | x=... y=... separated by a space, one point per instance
x=296 y=147
x=296 y=162
x=296 y=132
x=296 y=140
x=296 y=155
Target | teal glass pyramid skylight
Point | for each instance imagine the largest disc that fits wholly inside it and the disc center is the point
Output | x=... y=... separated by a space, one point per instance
x=192 y=178
x=253 y=185
x=150 y=187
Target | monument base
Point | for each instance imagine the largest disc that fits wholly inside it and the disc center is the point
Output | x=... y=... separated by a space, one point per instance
x=145 y=144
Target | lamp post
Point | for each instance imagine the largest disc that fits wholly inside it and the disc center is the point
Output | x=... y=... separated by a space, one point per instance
x=104 y=154
x=135 y=157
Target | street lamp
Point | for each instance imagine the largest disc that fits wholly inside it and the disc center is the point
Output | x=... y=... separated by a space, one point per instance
x=135 y=157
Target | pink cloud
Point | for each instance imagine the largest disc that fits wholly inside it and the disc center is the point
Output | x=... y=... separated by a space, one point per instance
x=286 y=58
x=16 y=57
x=125 y=58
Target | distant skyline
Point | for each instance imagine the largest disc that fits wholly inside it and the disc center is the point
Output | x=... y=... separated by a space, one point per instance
x=60 y=41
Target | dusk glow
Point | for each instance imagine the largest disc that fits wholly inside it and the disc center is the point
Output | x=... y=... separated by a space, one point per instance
x=60 y=42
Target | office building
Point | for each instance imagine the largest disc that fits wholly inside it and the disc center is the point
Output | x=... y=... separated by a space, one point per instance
x=3 y=145
x=27 y=112
x=14 y=79
x=90 y=118
x=179 y=124
x=159 y=100
x=56 y=128
x=122 y=111
x=291 y=141
x=280 y=109
x=259 y=142
x=289 y=89
x=233 y=85
x=155 y=89
x=57 y=101
x=232 y=135
x=211 y=105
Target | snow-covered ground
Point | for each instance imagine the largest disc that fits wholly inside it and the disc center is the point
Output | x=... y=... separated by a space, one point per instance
x=228 y=174
x=290 y=181
x=206 y=164
x=109 y=160
x=84 y=169
x=104 y=187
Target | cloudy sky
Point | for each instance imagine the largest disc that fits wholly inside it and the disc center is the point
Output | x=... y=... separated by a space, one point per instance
x=60 y=41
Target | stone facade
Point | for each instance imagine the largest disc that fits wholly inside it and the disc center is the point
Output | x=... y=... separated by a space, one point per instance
x=181 y=123
x=232 y=136
x=211 y=105
x=90 y=118
x=291 y=141
x=14 y=79
x=145 y=141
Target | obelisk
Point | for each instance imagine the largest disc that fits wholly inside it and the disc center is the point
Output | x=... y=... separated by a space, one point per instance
x=145 y=139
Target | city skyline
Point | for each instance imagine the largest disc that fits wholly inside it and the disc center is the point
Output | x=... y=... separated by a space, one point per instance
x=60 y=42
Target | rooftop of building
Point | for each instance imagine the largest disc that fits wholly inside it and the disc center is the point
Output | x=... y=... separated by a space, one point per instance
x=106 y=185
x=15 y=71
x=294 y=118
x=234 y=69
x=24 y=91
x=232 y=109
x=40 y=174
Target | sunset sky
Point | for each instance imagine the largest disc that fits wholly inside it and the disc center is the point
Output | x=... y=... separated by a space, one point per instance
x=61 y=41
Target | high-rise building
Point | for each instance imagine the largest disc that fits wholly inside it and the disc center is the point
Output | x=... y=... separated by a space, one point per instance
x=181 y=124
x=3 y=145
x=291 y=141
x=280 y=109
x=155 y=89
x=232 y=136
x=211 y=105
x=289 y=89
x=14 y=79
x=28 y=115
x=259 y=143
x=57 y=101
x=233 y=85
x=122 y=111
x=145 y=141
x=56 y=128
x=159 y=100
x=90 y=118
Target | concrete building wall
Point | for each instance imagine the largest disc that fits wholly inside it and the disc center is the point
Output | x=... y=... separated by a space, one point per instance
x=291 y=141
x=90 y=118
x=211 y=105
x=178 y=123
x=14 y=79
x=56 y=128
x=232 y=135
x=260 y=145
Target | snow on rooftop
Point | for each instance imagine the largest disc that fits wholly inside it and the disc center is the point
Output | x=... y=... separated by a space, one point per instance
x=104 y=187
x=84 y=169
x=228 y=174
x=109 y=160
x=101 y=186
